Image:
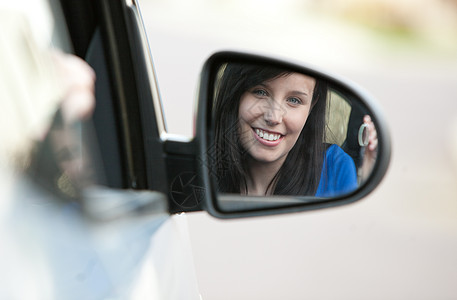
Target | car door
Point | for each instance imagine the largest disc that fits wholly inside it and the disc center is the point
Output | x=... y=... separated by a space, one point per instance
x=107 y=232
x=129 y=128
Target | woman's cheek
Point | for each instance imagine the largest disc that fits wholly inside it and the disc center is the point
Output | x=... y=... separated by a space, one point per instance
x=296 y=120
x=250 y=109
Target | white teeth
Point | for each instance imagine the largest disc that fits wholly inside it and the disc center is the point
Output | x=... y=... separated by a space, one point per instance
x=267 y=136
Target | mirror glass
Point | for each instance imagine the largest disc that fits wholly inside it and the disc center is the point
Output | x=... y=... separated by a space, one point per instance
x=280 y=137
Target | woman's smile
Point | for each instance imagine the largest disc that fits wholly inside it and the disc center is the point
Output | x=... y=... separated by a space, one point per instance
x=267 y=135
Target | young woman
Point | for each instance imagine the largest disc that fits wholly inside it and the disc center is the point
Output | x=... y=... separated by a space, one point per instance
x=270 y=132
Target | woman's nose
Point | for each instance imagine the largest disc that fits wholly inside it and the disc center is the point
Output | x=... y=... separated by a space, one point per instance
x=273 y=113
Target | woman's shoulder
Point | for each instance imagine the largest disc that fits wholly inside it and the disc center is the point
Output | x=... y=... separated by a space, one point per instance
x=334 y=152
x=339 y=175
x=339 y=162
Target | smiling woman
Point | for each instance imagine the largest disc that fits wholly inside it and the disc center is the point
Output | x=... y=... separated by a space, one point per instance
x=270 y=133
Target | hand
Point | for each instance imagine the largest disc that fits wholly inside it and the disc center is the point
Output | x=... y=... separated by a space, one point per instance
x=372 y=146
x=371 y=150
x=78 y=80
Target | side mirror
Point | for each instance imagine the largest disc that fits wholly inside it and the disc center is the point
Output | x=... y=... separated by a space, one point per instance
x=276 y=137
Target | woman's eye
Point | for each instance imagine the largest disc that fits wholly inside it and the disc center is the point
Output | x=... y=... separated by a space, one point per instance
x=259 y=92
x=294 y=100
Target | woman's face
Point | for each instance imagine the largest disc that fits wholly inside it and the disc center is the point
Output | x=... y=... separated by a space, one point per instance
x=272 y=115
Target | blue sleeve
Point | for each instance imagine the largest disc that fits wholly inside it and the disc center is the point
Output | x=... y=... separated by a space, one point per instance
x=339 y=175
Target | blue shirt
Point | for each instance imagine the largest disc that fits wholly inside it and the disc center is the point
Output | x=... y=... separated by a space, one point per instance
x=339 y=175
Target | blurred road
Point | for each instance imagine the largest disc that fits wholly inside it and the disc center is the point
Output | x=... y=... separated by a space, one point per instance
x=398 y=243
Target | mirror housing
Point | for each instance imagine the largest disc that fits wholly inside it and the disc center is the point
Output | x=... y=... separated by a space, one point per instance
x=246 y=206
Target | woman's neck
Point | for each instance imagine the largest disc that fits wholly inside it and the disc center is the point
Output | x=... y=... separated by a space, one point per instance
x=260 y=177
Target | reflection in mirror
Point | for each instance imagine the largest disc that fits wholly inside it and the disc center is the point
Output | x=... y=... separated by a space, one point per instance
x=278 y=132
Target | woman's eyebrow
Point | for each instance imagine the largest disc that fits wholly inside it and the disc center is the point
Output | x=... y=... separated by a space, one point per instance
x=299 y=92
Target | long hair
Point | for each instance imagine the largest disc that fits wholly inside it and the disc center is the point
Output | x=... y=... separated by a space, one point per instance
x=301 y=170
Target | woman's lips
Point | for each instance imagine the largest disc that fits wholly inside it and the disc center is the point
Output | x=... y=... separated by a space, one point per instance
x=267 y=138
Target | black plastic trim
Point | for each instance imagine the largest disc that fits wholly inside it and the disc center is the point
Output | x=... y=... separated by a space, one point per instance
x=123 y=70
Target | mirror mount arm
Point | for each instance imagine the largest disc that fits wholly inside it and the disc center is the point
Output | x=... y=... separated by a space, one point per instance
x=186 y=190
